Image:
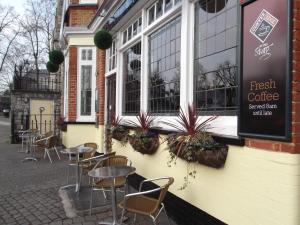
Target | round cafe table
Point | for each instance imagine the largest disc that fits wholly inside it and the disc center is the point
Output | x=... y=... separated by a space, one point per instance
x=76 y=151
x=112 y=172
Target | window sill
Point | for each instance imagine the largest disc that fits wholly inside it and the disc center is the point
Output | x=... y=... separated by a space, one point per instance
x=238 y=141
x=81 y=123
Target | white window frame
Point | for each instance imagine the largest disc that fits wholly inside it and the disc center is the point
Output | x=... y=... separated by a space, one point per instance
x=131 y=27
x=109 y=56
x=66 y=86
x=224 y=125
x=174 y=5
x=80 y=63
x=87 y=1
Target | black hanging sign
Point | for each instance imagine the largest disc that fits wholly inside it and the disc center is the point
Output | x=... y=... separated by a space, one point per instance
x=265 y=93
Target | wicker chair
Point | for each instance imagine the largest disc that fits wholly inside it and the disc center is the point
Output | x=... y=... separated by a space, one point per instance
x=85 y=163
x=48 y=144
x=105 y=184
x=141 y=203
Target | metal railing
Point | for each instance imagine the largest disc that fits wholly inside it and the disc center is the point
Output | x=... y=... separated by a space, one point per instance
x=49 y=83
x=42 y=122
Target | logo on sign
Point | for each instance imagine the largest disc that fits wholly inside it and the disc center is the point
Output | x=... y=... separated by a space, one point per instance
x=263 y=25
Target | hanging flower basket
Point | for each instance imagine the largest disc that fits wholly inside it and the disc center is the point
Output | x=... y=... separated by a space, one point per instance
x=144 y=140
x=213 y=155
x=56 y=57
x=51 y=67
x=120 y=133
x=103 y=39
x=144 y=143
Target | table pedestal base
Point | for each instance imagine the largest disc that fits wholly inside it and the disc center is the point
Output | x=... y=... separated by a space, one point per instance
x=30 y=159
x=110 y=222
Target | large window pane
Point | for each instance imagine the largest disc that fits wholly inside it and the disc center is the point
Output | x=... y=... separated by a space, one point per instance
x=164 y=68
x=215 y=71
x=132 y=79
x=86 y=91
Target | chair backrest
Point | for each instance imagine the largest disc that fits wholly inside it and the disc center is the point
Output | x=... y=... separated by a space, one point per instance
x=116 y=160
x=164 y=190
x=48 y=134
x=51 y=141
x=90 y=154
x=103 y=158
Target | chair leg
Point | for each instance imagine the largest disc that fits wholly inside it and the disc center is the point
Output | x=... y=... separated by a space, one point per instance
x=122 y=216
x=80 y=175
x=68 y=174
x=166 y=215
x=104 y=194
x=153 y=220
x=134 y=218
x=45 y=153
x=57 y=152
x=48 y=155
x=91 y=200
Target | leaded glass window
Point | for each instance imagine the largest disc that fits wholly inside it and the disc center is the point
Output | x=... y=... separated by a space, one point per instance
x=132 y=79
x=86 y=90
x=215 y=69
x=164 y=68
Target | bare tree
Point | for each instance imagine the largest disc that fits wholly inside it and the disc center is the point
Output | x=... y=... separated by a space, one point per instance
x=38 y=29
x=9 y=30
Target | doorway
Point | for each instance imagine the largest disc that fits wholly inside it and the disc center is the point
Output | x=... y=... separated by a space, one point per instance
x=111 y=98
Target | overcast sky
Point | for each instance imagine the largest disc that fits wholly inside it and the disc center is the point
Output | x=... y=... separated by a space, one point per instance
x=17 y=4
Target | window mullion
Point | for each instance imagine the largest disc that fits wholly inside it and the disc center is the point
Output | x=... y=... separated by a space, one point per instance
x=184 y=66
x=144 y=74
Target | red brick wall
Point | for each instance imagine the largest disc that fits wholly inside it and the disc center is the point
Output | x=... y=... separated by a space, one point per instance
x=101 y=85
x=81 y=15
x=72 y=104
x=294 y=145
x=74 y=1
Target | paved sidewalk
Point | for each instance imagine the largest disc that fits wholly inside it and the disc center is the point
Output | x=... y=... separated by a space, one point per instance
x=29 y=190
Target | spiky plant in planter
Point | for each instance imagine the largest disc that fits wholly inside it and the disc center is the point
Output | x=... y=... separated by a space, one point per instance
x=118 y=131
x=194 y=143
x=143 y=139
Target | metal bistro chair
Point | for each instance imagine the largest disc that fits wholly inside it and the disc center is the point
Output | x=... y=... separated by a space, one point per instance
x=25 y=138
x=85 y=161
x=105 y=184
x=48 y=144
x=141 y=203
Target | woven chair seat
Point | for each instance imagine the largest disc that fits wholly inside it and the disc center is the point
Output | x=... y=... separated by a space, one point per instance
x=87 y=166
x=107 y=183
x=140 y=204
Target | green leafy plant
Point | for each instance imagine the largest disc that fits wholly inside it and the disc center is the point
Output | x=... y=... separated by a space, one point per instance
x=51 y=67
x=144 y=140
x=194 y=143
x=56 y=57
x=103 y=39
x=117 y=130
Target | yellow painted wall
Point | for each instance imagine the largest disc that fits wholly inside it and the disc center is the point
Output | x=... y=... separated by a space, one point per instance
x=255 y=187
x=47 y=115
x=87 y=40
x=79 y=134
